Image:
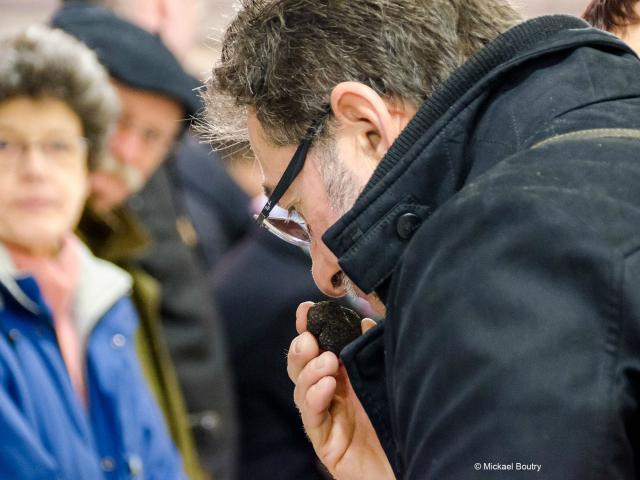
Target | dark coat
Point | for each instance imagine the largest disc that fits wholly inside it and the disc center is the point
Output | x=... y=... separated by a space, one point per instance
x=193 y=331
x=258 y=287
x=216 y=205
x=509 y=210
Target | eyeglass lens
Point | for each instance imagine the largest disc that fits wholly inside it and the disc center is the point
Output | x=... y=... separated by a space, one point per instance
x=289 y=227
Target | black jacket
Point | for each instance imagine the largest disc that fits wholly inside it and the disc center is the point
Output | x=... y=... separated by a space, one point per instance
x=193 y=329
x=509 y=209
x=216 y=205
x=257 y=288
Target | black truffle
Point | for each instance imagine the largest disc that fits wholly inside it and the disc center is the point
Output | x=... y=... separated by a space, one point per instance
x=333 y=325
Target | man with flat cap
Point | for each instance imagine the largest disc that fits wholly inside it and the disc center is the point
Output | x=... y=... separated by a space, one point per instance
x=136 y=219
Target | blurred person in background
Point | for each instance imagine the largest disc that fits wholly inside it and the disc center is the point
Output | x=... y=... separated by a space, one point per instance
x=137 y=217
x=257 y=286
x=620 y=17
x=215 y=206
x=172 y=20
x=73 y=401
x=257 y=280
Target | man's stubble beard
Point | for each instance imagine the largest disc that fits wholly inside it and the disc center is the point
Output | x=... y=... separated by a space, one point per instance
x=343 y=189
x=129 y=175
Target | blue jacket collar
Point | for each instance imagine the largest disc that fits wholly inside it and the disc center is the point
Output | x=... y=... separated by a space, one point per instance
x=100 y=286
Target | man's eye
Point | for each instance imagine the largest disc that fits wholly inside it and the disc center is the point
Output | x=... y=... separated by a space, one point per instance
x=152 y=136
x=58 y=146
x=5 y=144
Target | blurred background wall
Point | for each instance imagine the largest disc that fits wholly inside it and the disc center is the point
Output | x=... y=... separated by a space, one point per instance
x=214 y=15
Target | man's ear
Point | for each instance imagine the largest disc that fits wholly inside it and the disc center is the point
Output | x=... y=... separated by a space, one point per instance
x=375 y=122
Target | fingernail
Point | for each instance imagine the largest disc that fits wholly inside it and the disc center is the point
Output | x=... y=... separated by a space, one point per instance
x=296 y=346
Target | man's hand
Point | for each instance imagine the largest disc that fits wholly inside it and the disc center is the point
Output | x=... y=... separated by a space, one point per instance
x=336 y=423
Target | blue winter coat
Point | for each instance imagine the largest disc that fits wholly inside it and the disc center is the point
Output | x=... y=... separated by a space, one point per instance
x=45 y=431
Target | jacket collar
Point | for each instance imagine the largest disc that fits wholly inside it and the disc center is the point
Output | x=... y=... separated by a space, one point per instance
x=100 y=286
x=8 y=277
x=118 y=236
x=393 y=204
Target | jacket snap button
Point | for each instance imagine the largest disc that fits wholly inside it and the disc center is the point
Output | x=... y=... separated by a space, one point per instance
x=106 y=463
x=406 y=225
x=210 y=420
x=118 y=340
x=14 y=335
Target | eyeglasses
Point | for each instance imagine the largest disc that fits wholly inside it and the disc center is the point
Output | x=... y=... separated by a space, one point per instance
x=60 y=150
x=287 y=226
x=293 y=228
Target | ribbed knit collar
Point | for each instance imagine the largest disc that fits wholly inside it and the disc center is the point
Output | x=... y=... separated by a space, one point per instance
x=507 y=47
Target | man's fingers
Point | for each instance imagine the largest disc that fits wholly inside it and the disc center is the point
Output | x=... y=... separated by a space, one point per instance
x=323 y=366
x=301 y=316
x=314 y=410
x=302 y=350
x=367 y=324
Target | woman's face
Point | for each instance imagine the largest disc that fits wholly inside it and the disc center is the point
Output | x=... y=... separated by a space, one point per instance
x=43 y=173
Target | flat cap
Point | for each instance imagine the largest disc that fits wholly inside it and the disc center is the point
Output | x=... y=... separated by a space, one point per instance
x=132 y=55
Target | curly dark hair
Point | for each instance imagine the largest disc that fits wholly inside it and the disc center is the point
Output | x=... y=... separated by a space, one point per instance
x=611 y=14
x=44 y=62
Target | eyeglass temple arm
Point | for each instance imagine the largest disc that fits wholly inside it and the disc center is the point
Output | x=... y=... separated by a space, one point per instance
x=291 y=172
x=294 y=167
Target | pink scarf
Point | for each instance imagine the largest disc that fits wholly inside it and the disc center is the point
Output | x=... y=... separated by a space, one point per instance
x=57 y=278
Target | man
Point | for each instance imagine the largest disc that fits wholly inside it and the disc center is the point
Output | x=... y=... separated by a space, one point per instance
x=481 y=178
x=620 y=17
x=215 y=205
x=178 y=22
x=137 y=221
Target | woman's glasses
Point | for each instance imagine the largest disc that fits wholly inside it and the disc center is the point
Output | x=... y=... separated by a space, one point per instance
x=60 y=150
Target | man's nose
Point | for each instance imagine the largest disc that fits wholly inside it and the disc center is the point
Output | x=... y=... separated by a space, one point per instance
x=326 y=273
x=126 y=146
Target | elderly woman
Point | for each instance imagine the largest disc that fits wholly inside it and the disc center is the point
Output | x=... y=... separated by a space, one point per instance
x=73 y=402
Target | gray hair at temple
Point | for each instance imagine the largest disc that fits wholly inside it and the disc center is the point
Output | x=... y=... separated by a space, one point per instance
x=282 y=58
x=42 y=62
